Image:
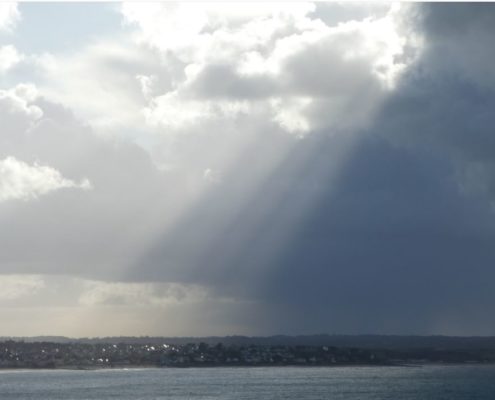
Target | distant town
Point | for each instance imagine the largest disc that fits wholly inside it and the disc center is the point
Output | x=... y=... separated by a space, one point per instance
x=96 y=354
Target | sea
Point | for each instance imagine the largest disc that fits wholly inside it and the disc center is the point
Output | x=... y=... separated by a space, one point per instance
x=476 y=382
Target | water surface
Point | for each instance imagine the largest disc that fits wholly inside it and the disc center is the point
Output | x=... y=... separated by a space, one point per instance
x=349 y=383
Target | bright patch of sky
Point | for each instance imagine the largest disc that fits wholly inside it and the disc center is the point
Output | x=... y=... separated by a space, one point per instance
x=62 y=27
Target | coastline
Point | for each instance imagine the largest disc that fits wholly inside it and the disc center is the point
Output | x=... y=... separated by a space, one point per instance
x=157 y=367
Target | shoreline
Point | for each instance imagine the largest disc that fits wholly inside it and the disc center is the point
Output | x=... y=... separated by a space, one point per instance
x=156 y=367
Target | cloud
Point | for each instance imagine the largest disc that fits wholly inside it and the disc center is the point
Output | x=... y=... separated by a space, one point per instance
x=394 y=218
x=100 y=87
x=289 y=113
x=186 y=28
x=13 y=287
x=139 y=294
x=66 y=305
x=46 y=150
x=229 y=62
x=406 y=228
x=21 y=181
x=443 y=101
x=393 y=237
x=16 y=109
x=9 y=57
x=9 y=15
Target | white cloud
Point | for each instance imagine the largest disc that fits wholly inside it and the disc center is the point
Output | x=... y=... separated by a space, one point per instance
x=21 y=181
x=26 y=92
x=289 y=113
x=274 y=55
x=16 y=109
x=167 y=26
x=9 y=15
x=15 y=286
x=100 y=84
x=176 y=113
x=187 y=64
x=9 y=57
x=146 y=83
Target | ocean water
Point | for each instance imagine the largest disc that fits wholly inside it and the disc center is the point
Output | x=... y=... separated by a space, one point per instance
x=349 y=383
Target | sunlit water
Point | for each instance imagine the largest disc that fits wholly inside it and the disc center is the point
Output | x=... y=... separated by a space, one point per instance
x=374 y=383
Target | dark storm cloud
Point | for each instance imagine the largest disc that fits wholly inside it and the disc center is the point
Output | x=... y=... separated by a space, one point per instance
x=456 y=20
x=405 y=242
x=445 y=102
x=390 y=246
x=393 y=248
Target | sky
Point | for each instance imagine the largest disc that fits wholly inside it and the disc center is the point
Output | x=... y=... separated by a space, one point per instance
x=193 y=169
